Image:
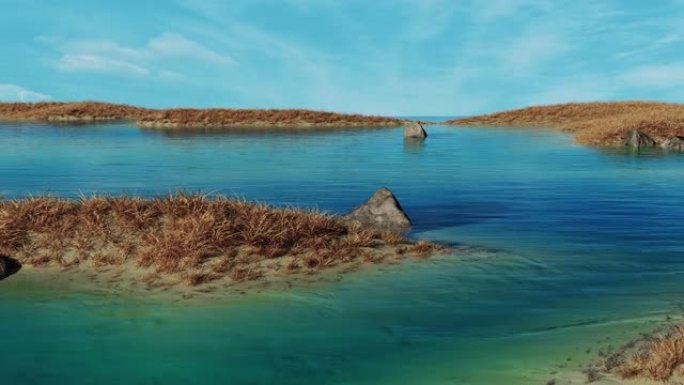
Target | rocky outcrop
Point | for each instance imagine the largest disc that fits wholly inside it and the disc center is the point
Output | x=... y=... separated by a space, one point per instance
x=3 y=267
x=637 y=139
x=382 y=211
x=675 y=143
x=414 y=130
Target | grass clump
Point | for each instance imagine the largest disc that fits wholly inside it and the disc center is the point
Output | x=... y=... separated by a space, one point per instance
x=655 y=357
x=193 y=237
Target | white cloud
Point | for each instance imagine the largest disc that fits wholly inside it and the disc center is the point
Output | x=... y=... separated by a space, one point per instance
x=110 y=57
x=99 y=64
x=13 y=93
x=533 y=49
x=171 y=44
x=170 y=75
x=654 y=76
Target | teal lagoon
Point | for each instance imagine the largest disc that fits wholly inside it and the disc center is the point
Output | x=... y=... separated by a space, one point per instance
x=575 y=248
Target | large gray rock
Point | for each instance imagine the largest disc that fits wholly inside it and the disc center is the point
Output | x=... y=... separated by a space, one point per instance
x=414 y=130
x=383 y=211
x=675 y=143
x=637 y=139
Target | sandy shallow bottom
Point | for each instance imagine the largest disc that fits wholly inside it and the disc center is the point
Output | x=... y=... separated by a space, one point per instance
x=130 y=280
x=331 y=328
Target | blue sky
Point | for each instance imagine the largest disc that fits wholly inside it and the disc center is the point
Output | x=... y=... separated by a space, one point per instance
x=401 y=57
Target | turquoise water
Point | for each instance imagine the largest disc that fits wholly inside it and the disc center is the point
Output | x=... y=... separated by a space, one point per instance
x=579 y=248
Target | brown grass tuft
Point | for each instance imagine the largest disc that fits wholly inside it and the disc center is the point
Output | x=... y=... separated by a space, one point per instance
x=655 y=357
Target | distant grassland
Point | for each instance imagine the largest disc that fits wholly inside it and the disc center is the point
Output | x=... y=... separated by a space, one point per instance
x=597 y=123
x=70 y=111
x=184 y=117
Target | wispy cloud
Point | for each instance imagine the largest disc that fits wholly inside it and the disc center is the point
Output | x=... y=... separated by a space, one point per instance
x=387 y=56
x=13 y=93
x=655 y=76
x=172 y=44
x=111 y=57
x=99 y=64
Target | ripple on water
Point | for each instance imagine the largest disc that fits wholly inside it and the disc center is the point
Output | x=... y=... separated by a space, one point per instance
x=575 y=249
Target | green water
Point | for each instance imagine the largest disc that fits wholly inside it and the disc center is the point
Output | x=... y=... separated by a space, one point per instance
x=578 y=249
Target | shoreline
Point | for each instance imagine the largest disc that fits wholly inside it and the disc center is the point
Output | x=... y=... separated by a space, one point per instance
x=129 y=281
x=655 y=124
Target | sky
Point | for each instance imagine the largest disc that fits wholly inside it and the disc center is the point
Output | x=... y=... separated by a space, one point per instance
x=389 y=57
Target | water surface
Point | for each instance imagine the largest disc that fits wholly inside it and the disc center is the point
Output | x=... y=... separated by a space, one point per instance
x=577 y=245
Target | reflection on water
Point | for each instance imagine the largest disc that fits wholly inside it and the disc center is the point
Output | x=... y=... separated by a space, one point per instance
x=581 y=245
x=413 y=145
x=268 y=131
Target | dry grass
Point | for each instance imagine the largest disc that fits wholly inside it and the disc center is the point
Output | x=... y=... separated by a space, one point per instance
x=599 y=123
x=193 y=237
x=244 y=117
x=70 y=111
x=657 y=357
x=183 y=117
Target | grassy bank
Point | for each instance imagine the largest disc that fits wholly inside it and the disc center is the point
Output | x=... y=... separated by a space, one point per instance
x=599 y=123
x=189 y=240
x=184 y=117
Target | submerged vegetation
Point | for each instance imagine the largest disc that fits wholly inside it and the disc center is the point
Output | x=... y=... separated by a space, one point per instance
x=183 y=117
x=599 y=123
x=189 y=238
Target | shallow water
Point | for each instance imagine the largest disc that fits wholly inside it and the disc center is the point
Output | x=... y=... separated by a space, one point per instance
x=580 y=248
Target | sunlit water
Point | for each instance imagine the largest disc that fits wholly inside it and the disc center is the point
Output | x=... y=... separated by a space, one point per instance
x=579 y=247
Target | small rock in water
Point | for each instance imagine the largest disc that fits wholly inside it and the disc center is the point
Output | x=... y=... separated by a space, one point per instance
x=382 y=210
x=414 y=130
x=637 y=139
x=675 y=143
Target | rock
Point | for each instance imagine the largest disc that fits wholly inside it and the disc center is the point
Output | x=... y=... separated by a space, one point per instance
x=382 y=210
x=8 y=266
x=414 y=130
x=637 y=139
x=675 y=143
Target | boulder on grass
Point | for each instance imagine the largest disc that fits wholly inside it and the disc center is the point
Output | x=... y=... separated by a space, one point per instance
x=414 y=130
x=381 y=211
x=675 y=143
x=637 y=139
